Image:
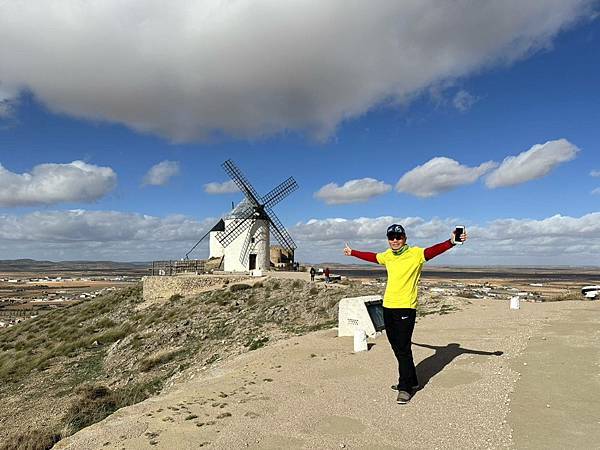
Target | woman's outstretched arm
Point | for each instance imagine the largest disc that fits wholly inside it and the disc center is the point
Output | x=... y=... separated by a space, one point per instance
x=365 y=256
x=438 y=249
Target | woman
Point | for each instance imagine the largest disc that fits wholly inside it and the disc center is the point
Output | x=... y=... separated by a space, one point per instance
x=403 y=264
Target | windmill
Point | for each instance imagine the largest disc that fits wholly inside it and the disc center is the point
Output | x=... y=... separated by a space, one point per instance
x=243 y=236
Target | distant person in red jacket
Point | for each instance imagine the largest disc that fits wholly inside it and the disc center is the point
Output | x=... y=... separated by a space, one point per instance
x=326 y=274
x=403 y=264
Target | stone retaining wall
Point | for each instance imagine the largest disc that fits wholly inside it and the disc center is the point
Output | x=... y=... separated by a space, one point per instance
x=305 y=276
x=161 y=288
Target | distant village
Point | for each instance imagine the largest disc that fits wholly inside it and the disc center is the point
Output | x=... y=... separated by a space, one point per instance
x=480 y=291
x=26 y=297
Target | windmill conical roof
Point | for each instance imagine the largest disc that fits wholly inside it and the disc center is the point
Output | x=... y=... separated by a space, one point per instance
x=240 y=211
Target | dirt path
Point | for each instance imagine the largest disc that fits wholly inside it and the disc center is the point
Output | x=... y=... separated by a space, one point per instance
x=313 y=392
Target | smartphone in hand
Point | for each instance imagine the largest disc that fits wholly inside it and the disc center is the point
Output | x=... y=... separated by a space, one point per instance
x=458 y=231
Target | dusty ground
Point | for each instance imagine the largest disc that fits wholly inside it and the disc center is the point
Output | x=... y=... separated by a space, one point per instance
x=313 y=392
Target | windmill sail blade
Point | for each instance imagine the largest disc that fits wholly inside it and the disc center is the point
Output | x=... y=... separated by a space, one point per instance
x=240 y=180
x=244 y=253
x=279 y=231
x=201 y=239
x=235 y=228
x=280 y=192
x=279 y=236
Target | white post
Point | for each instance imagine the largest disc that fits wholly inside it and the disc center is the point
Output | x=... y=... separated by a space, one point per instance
x=514 y=302
x=360 y=340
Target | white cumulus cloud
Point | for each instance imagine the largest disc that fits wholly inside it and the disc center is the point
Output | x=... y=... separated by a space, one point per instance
x=56 y=183
x=352 y=191
x=122 y=236
x=227 y=187
x=534 y=163
x=99 y=235
x=161 y=173
x=596 y=191
x=254 y=67
x=555 y=240
x=440 y=175
x=595 y=173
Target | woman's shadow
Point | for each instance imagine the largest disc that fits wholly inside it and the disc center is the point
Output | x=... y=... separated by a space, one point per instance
x=434 y=364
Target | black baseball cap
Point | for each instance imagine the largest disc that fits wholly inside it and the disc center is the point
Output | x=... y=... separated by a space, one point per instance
x=395 y=229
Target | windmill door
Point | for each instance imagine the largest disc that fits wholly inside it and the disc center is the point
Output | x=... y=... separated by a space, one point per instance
x=252 y=261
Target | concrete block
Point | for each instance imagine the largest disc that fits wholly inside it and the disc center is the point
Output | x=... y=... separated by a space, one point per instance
x=353 y=314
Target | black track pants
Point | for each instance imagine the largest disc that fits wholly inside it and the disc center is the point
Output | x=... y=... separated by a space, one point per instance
x=399 y=326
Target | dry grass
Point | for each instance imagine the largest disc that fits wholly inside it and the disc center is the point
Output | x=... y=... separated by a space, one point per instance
x=31 y=439
x=566 y=297
x=158 y=359
x=95 y=402
x=239 y=287
x=109 y=341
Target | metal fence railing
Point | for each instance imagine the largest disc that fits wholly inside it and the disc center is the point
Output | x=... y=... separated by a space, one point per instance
x=173 y=267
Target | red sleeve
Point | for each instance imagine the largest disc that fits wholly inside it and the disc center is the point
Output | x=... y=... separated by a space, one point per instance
x=437 y=249
x=367 y=256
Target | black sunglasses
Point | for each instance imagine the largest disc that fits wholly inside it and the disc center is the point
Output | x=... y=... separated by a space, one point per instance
x=397 y=236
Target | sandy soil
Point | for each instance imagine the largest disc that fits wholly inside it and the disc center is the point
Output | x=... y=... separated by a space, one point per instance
x=314 y=392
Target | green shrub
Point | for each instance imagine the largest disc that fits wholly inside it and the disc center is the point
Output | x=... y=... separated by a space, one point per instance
x=253 y=344
x=111 y=335
x=95 y=402
x=296 y=284
x=105 y=322
x=239 y=287
x=175 y=297
x=313 y=290
x=214 y=357
x=219 y=296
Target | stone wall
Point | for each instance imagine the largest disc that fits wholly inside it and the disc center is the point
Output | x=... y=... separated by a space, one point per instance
x=304 y=276
x=161 y=288
x=291 y=275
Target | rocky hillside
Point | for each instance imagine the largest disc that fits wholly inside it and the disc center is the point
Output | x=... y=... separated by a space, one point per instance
x=72 y=367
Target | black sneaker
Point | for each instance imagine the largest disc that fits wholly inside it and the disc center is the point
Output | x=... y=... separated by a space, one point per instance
x=416 y=387
x=403 y=397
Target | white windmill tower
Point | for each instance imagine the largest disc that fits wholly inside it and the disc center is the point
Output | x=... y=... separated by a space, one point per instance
x=242 y=237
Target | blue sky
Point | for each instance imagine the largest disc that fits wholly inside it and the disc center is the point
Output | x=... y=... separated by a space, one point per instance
x=375 y=114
